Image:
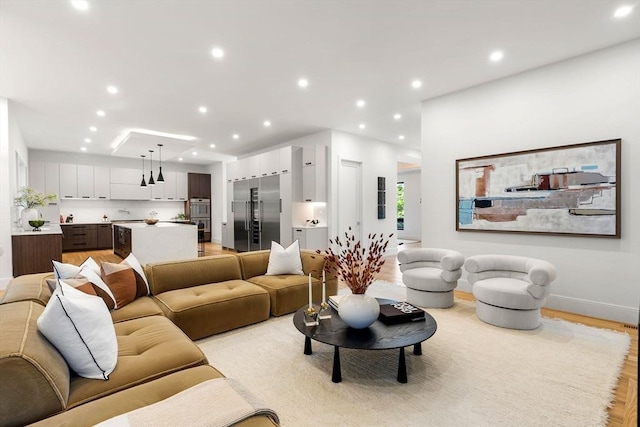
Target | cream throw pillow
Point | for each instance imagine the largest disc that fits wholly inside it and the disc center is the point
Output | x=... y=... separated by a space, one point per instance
x=284 y=261
x=80 y=327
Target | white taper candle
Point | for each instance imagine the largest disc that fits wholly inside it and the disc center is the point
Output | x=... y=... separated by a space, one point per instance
x=324 y=292
x=310 y=292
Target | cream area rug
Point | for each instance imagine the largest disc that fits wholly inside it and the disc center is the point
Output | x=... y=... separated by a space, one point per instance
x=470 y=373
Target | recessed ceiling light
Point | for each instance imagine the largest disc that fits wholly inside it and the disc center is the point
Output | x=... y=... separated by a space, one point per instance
x=400 y=137
x=112 y=89
x=87 y=140
x=236 y=136
x=623 y=11
x=416 y=84
x=212 y=145
x=303 y=82
x=360 y=103
x=80 y=4
x=397 y=116
x=83 y=148
x=100 y=113
x=202 y=109
x=179 y=159
x=217 y=52
x=195 y=153
x=93 y=129
x=266 y=123
x=496 y=56
x=362 y=126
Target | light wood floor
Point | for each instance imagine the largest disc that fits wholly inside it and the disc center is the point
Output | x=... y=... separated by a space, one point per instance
x=623 y=413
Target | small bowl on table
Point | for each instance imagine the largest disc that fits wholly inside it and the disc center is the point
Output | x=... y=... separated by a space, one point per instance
x=36 y=224
x=151 y=221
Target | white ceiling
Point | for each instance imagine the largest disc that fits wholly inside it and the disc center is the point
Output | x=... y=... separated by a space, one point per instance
x=55 y=64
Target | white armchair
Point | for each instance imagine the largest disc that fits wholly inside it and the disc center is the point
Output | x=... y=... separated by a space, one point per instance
x=509 y=290
x=430 y=275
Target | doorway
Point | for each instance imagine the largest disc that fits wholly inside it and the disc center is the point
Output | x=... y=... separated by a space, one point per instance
x=350 y=198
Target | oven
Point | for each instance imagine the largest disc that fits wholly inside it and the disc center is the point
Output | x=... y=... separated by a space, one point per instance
x=199 y=208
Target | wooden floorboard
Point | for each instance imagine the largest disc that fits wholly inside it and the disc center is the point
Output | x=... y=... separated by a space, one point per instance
x=623 y=412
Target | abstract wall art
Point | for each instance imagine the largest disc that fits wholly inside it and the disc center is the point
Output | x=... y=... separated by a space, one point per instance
x=567 y=190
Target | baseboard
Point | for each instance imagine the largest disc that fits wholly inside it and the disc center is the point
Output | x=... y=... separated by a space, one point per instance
x=600 y=310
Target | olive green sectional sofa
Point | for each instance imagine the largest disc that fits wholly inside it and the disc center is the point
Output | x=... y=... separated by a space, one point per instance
x=157 y=358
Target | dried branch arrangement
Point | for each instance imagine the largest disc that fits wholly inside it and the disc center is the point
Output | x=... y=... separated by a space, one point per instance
x=354 y=264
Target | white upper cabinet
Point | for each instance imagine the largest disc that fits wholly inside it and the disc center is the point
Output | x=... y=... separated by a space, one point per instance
x=253 y=167
x=182 y=186
x=101 y=181
x=284 y=159
x=314 y=175
x=69 y=181
x=269 y=163
x=232 y=171
x=312 y=155
x=85 y=182
x=52 y=180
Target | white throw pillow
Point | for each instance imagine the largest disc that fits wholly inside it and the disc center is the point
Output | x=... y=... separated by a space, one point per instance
x=80 y=327
x=67 y=271
x=284 y=261
x=133 y=263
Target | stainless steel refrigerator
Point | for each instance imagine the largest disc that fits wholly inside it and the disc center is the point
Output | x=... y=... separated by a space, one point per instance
x=256 y=211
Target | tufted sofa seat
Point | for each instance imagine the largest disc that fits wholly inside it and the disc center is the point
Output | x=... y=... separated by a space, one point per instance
x=509 y=290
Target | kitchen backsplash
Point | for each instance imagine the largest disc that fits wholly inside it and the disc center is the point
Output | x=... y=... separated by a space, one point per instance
x=303 y=211
x=93 y=210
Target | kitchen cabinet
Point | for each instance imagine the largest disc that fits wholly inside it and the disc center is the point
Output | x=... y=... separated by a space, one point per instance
x=104 y=236
x=314 y=175
x=232 y=171
x=227 y=235
x=33 y=251
x=253 y=167
x=85 y=181
x=284 y=159
x=45 y=177
x=79 y=237
x=312 y=238
x=129 y=192
x=101 y=181
x=68 y=181
x=182 y=186
x=269 y=163
x=199 y=185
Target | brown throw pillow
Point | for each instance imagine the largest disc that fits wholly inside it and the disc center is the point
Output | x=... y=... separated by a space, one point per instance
x=80 y=284
x=121 y=280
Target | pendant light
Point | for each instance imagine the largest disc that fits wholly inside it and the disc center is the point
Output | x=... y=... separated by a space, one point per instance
x=143 y=183
x=160 y=179
x=151 y=181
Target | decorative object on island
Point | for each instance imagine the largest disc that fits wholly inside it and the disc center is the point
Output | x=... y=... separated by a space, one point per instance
x=152 y=220
x=357 y=267
x=151 y=180
x=569 y=190
x=30 y=199
x=160 y=179
x=143 y=183
x=36 y=224
x=180 y=217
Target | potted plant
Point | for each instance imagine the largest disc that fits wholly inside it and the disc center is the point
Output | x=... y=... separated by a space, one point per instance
x=30 y=199
x=357 y=267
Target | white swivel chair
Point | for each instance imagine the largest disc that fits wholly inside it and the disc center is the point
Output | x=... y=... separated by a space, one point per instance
x=430 y=275
x=509 y=290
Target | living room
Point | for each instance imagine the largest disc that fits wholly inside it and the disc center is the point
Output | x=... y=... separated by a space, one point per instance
x=577 y=82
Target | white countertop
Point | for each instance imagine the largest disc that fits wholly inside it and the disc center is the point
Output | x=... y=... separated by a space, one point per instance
x=45 y=229
x=309 y=226
x=136 y=225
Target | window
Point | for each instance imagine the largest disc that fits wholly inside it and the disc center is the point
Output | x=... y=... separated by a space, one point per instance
x=400 y=214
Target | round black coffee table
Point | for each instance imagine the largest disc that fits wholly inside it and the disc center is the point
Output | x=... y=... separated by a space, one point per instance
x=378 y=336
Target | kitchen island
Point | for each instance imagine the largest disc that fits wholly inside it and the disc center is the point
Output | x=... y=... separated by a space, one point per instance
x=34 y=250
x=164 y=241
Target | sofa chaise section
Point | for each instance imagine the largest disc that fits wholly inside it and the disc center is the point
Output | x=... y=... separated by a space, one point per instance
x=206 y=296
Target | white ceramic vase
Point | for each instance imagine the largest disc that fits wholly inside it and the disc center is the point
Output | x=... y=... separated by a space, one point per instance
x=359 y=311
x=28 y=214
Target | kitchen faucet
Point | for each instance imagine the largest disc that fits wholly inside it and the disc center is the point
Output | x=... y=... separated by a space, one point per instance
x=124 y=211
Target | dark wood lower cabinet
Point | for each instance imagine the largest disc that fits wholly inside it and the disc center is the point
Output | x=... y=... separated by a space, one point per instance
x=34 y=253
x=82 y=237
x=105 y=236
x=121 y=241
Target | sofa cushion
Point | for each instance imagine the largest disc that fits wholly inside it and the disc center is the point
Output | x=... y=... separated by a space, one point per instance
x=428 y=279
x=80 y=327
x=34 y=378
x=287 y=293
x=209 y=309
x=284 y=261
x=29 y=287
x=148 y=348
x=506 y=292
x=140 y=307
x=172 y=275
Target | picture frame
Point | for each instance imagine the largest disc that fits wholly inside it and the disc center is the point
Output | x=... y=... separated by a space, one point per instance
x=571 y=190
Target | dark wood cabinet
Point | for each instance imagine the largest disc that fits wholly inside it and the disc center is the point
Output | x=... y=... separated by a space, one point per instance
x=121 y=241
x=105 y=236
x=33 y=253
x=199 y=185
x=79 y=237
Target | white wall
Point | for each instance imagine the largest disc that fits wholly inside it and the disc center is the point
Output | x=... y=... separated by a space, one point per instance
x=589 y=98
x=378 y=159
x=11 y=143
x=412 y=205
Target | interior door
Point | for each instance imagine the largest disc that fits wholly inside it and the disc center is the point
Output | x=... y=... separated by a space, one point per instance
x=350 y=198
